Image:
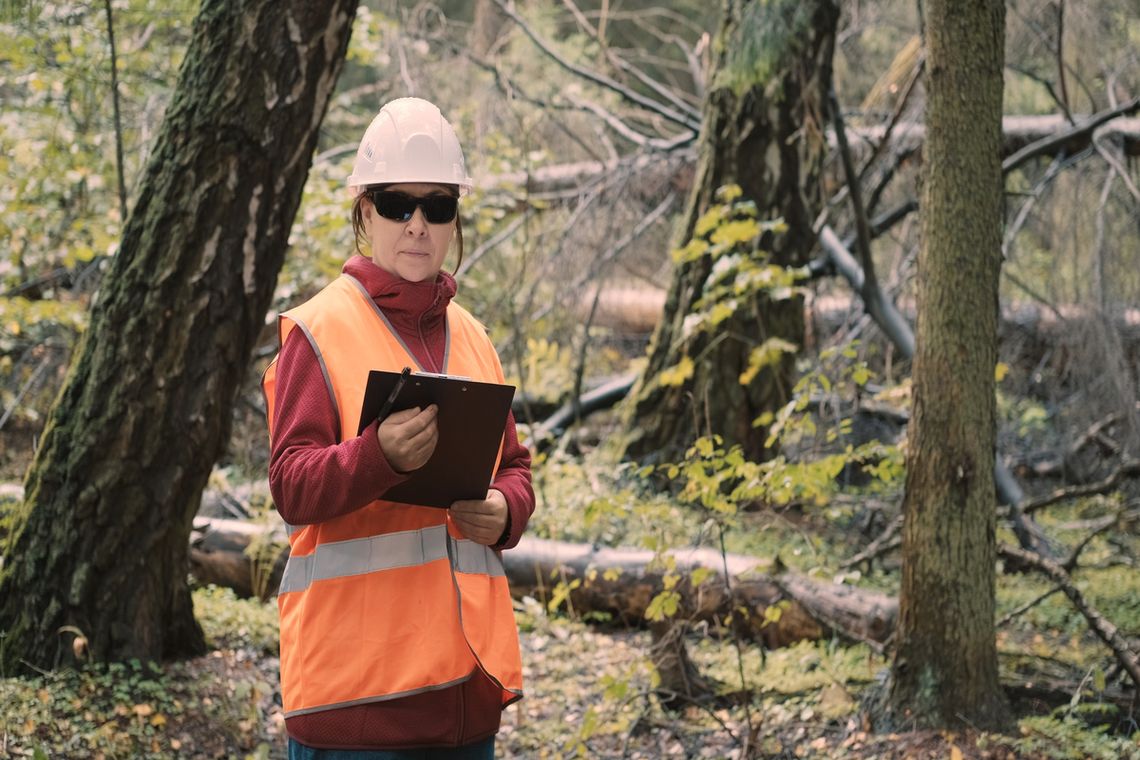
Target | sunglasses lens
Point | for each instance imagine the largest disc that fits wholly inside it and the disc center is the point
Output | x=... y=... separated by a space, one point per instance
x=400 y=207
x=395 y=206
x=440 y=209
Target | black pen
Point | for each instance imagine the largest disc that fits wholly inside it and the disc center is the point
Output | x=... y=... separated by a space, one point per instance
x=387 y=407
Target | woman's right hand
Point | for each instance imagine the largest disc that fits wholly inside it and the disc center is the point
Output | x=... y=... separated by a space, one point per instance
x=407 y=438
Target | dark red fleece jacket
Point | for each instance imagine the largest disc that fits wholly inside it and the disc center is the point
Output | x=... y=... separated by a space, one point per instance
x=313 y=478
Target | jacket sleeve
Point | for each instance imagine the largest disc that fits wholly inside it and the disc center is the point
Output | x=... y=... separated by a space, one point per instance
x=513 y=480
x=312 y=476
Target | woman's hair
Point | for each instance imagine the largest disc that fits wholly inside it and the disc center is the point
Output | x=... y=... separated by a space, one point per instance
x=358 y=219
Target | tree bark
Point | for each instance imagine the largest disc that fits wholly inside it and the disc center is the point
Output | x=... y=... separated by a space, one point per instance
x=944 y=671
x=763 y=129
x=102 y=542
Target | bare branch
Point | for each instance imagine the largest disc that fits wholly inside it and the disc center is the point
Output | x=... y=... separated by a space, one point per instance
x=1120 y=516
x=649 y=104
x=31 y=383
x=627 y=67
x=1050 y=143
x=118 y=117
x=1114 y=162
x=1044 y=83
x=1061 y=60
x=886 y=541
x=1026 y=607
x=1102 y=627
x=896 y=115
x=881 y=309
x=1023 y=212
x=615 y=250
x=870 y=285
x=629 y=133
x=499 y=237
x=1127 y=469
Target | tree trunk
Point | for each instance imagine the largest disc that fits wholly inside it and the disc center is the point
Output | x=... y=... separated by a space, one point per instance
x=763 y=129
x=144 y=414
x=944 y=671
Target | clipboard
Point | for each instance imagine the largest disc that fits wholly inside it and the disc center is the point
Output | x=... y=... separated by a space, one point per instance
x=472 y=417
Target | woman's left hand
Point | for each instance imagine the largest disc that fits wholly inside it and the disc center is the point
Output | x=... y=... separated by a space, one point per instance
x=481 y=520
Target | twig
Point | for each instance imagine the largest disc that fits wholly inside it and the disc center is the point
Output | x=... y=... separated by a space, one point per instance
x=735 y=637
x=885 y=180
x=600 y=79
x=1098 y=245
x=1044 y=83
x=624 y=65
x=1047 y=144
x=24 y=390
x=1026 y=607
x=1102 y=627
x=1061 y=60
x=886 y=541
x=118 y=119
x=1128 y=468
x=870 y=285
x=499 y=237
x=1114 y=162
x=628 y=132
x=1105 y=523
x=1023 y=212
x=896 y=115
x=615 y=250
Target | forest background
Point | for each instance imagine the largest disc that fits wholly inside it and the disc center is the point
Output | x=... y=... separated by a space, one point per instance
x=571 y=250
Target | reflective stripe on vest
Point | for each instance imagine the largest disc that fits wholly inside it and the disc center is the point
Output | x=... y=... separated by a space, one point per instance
x=384 y=552
x=387 y=600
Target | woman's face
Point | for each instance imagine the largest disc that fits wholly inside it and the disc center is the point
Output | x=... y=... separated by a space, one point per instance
x=415 y=249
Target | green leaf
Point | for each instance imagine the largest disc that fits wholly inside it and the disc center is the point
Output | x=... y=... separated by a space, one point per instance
x=677 y=375
x=765 y=355
x=663 y=605
x=700 y=575
x=736 y=232
x=728 y=193
x=708 y=222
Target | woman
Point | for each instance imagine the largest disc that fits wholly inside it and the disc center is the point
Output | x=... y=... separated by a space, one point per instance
x=398 y=637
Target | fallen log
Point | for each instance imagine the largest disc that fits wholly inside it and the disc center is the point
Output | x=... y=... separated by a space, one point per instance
x=248 y=557
x=621 y=583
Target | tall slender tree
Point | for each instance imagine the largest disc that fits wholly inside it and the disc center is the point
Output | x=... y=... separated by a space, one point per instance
x=97 y=565
x=944 y=671
x=762 y=129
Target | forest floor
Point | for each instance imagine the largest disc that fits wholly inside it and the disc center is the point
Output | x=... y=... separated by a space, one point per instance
x=589 y=683
x=589 y=694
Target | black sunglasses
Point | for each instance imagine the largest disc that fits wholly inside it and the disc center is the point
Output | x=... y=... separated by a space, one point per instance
x=399 y=207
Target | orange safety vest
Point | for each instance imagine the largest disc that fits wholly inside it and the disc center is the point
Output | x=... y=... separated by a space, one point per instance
x=389 y=600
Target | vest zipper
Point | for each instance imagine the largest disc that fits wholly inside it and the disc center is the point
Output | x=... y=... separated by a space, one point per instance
x=426 y=347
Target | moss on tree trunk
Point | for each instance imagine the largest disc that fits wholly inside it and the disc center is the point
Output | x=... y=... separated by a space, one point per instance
x=762 y=130
x=101 y=544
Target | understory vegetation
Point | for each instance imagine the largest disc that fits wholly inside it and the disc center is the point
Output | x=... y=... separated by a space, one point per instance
x=591 y=683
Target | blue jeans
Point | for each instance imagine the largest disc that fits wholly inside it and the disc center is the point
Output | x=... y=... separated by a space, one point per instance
x=484 y=750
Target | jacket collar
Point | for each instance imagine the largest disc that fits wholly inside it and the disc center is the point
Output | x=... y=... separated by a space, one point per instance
x=410 y=306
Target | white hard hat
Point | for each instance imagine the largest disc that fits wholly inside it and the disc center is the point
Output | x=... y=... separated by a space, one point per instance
x=409 y=141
